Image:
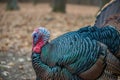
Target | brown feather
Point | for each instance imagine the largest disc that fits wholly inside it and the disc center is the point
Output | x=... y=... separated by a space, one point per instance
x=114 y=21
x=96 y=70
x=112 y=70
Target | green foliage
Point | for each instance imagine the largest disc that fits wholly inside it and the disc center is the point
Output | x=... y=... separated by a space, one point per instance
x=105 y=1
x=35 y=2
x=12 y=5
x=59 y=6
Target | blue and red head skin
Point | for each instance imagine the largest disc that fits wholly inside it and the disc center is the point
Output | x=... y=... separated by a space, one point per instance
x=40 y=37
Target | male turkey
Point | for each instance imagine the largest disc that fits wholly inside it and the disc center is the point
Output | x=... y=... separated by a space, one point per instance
x=76 y=55
x=76 y=52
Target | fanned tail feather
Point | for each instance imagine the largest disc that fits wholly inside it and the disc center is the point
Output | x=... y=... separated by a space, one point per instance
x=108 y=10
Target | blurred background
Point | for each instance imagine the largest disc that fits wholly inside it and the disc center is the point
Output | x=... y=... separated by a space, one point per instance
x=18 y=19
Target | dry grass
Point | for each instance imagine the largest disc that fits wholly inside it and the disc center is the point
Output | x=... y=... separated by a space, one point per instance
x=16 y=26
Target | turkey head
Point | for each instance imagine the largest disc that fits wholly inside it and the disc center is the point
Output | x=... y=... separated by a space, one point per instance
x=40 y=38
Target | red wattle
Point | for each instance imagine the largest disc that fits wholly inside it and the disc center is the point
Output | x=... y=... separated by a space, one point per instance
x=38 y=47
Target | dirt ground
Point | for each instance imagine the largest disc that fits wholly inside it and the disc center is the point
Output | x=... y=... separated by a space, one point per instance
x=16 y=28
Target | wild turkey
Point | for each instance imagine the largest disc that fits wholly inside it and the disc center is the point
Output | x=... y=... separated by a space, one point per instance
x=76 y=51
x=75 y=55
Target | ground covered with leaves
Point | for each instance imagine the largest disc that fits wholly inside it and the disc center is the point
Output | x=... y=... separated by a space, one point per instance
x=16 y=28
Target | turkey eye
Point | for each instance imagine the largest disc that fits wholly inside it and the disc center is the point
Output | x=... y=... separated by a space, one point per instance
x=34 y=36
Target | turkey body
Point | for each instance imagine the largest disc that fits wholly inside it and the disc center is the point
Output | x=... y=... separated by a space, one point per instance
x=72 y=51
x=75 y=52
